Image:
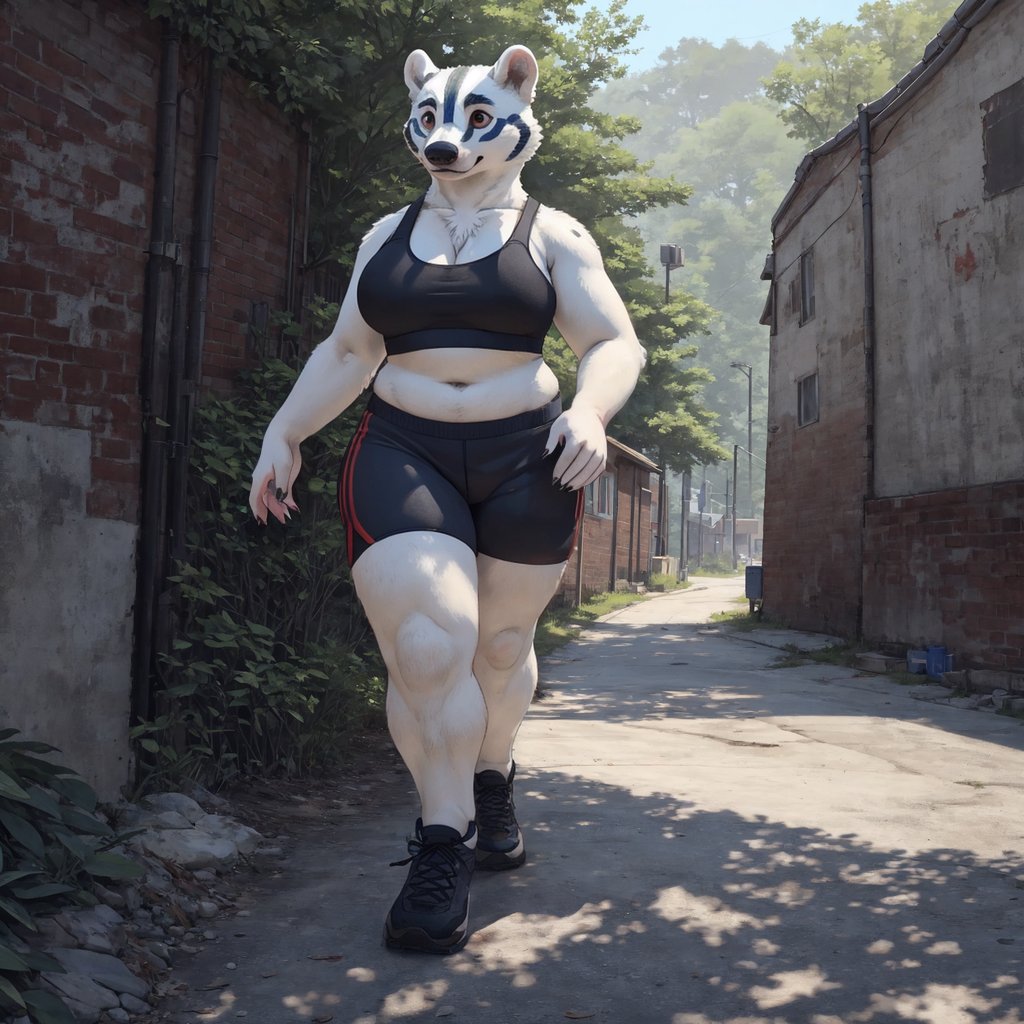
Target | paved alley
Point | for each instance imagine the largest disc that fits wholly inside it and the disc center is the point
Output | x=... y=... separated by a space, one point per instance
x=712 y=840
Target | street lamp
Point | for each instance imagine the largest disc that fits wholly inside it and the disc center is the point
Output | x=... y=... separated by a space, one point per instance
x=672 y=258
x=748 y=371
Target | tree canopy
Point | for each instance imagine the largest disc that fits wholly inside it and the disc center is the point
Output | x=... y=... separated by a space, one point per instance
x=831 y=68
x=338 y=63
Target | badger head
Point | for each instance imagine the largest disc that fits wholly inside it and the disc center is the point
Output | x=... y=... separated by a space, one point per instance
x=468 y=120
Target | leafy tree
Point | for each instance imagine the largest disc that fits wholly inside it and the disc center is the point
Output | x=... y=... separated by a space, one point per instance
x=834 y=67
x=338 y=62
x=692 y=82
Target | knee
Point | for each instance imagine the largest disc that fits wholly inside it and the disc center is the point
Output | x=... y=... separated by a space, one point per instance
x=427 y=654
x=503 y=650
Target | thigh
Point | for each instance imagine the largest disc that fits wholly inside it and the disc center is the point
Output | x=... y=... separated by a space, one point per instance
x=413 y=577
x=528 y=519
x=388 y=486
x=512 y=595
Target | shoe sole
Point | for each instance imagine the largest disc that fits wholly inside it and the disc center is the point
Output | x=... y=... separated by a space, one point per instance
x=494 y=860
x=415 y=940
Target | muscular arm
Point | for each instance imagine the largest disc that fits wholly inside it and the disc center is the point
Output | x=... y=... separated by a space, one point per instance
x=338 y=370
x=595 y=325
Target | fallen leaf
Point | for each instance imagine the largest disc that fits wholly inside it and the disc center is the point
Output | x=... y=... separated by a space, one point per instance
x=323 y=1020
x=268 y=974
x=445 y=1011
x=578 y=1015
x=218 y=983
x=329 y=957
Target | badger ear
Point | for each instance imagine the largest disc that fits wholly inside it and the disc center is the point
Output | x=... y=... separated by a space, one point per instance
x=517 y=69
x=418 y=69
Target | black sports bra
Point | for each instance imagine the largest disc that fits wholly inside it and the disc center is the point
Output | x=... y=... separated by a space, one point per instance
x=501 y=301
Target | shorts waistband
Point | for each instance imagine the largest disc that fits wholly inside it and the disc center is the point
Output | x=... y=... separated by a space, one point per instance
x=466 y=431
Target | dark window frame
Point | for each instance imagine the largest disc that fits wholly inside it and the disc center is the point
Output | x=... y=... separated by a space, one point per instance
x=808 y=400
x=1002 y=128
x=599 y=498
x=806 y=286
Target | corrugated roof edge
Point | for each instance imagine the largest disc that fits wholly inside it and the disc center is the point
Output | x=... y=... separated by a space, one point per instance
x=963 y=19
x=634 y=455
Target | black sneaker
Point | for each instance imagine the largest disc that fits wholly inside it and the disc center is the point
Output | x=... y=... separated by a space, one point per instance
x=500 y=844
x=431 y=913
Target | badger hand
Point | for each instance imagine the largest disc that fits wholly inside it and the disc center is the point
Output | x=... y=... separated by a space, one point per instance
x=272 y=479
x=582 y=460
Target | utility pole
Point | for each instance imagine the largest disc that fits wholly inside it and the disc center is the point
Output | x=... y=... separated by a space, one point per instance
x=672 y=258
x=748 y=371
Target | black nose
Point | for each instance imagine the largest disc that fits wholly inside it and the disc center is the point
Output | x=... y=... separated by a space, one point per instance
x=442 y=153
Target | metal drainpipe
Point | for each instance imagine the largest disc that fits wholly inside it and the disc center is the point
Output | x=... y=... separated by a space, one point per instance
x=163 y=256
x=864 y=124
x=632 y=528
x=199 y=285
x=579 y=553
x=613 y=567
x=867 y=209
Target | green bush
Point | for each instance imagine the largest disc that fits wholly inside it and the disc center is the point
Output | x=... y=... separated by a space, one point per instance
x=272 y=663
x=52 y=847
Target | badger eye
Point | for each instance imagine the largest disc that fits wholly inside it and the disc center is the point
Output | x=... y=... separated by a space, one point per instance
x=427 y=119
x=480 y=119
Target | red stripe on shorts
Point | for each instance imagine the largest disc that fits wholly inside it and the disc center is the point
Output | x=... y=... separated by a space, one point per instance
x=347 y=496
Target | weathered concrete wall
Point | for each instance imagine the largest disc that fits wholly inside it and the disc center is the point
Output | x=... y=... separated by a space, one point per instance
x=950 y=354
x=65 y=604
x=814 y=482
x=78 y=92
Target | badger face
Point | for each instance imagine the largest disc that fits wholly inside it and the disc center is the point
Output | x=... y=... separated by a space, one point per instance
x=467 y=120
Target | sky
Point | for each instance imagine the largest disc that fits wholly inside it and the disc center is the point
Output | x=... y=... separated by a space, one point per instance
x=749 y=21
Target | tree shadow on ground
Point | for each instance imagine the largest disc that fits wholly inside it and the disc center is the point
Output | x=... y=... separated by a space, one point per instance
x=656 y=896
x=648 y=909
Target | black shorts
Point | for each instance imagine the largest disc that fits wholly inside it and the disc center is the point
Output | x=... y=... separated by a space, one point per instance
x=487 y=484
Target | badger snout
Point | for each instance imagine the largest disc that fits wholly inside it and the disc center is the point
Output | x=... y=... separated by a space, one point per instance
x=441 y=154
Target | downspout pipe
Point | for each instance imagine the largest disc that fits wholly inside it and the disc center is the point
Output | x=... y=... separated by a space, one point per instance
x=868 y=219
x=199 y=287
x=157 y=311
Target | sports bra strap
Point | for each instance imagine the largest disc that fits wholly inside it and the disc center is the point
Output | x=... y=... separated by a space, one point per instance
x=522 y=231
x=405 y=225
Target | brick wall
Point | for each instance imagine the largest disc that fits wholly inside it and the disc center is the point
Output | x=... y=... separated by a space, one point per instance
x=598 y=533
x=948 y=568
x=78 y=90
x=78 y=93
x=78 y=124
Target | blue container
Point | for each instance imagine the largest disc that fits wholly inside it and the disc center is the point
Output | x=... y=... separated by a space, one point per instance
x=936 y=661
x=754 y=583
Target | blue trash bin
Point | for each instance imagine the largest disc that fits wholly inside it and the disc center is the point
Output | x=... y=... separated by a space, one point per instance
x=936 y=661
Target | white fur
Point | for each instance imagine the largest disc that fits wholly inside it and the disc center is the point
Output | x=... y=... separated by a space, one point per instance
x=455 y=629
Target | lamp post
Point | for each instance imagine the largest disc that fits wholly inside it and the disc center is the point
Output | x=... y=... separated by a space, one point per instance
x=672 y=258
x=748 y=371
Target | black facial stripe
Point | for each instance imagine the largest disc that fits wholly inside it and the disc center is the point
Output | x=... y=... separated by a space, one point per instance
x=451 y=92
x=414 y=124
x=408 y=139
x=524 y=135
x=475 y=99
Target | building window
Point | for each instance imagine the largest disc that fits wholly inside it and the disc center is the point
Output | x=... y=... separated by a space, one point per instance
x=1003 y=130
x=807 y=400
x=806 y=286
x=600 y=496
